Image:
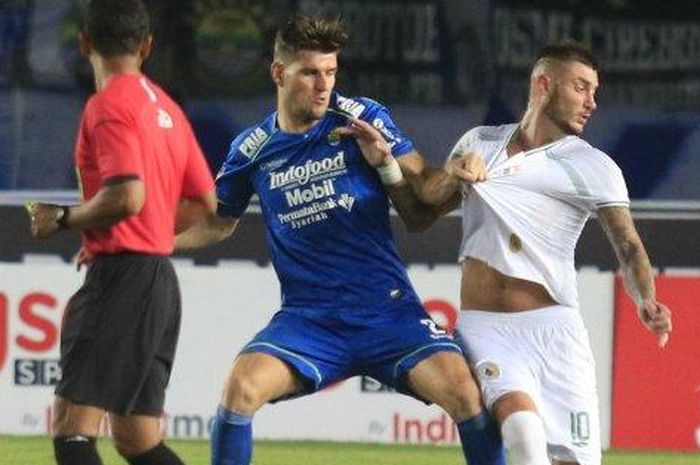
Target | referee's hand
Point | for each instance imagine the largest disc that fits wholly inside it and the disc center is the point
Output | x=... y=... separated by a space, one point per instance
x=43 y=219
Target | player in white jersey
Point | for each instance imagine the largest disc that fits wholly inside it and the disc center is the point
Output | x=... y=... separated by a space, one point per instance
x=527 y=190
x=520 y=318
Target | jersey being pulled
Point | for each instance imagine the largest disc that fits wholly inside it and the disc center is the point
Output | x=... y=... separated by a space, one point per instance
x=526 y=218
x=326 y=212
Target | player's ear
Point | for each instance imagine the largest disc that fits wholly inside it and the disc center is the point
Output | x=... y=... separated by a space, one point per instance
x=544 y=83
x=277 y=73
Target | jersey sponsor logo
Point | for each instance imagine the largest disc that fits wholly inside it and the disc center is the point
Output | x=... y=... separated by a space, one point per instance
x=346 y=201
x=311 y=170
x=350 y=106
x=308 y=215
x=272 y=164
x=390 y=137
x=315 y=191
x=251 y=144
x=164 y=119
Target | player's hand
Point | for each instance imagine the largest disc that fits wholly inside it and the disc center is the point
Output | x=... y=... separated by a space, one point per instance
x=374 y=147
x=43 y=219
x=656 y=317
x=469 y=167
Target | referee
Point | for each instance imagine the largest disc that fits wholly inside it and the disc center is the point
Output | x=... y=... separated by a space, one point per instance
x=139 y=164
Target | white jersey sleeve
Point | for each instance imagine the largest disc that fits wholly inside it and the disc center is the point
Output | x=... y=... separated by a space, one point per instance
x=601 y=182
x=464 y=145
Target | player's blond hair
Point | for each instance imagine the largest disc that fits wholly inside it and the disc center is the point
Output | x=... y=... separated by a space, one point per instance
x=567 y=50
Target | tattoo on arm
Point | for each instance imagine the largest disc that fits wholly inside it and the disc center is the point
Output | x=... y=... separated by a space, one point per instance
x=637 y=271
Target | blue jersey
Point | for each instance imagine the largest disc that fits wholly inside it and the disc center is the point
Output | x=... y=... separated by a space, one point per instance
x=326 y=212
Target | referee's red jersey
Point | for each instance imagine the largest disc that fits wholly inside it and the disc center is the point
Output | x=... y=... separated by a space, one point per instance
x=132 y=128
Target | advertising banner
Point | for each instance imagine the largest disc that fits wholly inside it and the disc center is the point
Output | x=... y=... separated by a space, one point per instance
x=224 y=307
x=656 y=392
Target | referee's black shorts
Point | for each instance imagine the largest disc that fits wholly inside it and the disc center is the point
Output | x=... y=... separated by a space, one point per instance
x=120 y=333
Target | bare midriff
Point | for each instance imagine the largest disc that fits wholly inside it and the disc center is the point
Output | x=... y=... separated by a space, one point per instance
x=484 y=288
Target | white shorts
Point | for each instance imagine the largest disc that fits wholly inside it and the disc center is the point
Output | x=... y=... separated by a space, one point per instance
x=546 y=354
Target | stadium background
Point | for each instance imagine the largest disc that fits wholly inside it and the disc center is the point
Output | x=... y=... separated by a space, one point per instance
x=442 y=66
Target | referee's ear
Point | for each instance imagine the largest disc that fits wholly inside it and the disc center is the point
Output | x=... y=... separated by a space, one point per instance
x=84 y=44
x=146 y=47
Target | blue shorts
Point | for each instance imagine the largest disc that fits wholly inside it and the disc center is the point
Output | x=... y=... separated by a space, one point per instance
x=324 y=350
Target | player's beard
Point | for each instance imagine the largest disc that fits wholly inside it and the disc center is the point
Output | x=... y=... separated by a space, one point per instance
x=310 y=115
x=560 y=116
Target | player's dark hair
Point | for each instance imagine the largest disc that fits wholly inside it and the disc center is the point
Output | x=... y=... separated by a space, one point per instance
x=116 y=27
x=569 y=50
x=301 y=32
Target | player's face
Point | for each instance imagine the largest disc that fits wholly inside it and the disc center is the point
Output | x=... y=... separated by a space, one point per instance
x=572 y=97
x=306 y=84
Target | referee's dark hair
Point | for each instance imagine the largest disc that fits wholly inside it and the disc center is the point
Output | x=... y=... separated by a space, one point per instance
x=568 y=50
x=116 y=27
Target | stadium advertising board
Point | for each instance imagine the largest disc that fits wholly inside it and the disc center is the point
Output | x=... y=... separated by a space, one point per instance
x=224 y=307
x=635 y=42
x=656 y=393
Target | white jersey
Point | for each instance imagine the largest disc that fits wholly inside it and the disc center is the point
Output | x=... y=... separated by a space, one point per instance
x=525 y=220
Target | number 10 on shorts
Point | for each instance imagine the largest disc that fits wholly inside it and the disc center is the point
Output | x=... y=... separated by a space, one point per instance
x=580 y=428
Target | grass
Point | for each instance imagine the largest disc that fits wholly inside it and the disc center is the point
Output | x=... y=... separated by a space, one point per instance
x=16 y=450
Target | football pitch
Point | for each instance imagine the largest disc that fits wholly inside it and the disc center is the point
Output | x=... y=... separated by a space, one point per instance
x=38 y=451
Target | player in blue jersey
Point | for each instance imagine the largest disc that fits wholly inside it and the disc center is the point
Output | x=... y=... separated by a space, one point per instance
x=348 y=307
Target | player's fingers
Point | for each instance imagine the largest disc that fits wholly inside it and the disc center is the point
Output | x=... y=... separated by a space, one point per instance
x=663 y=309
x=663 y=340
x=461 y=173
x=367 y=129
x=345 y=131
x=659 y=326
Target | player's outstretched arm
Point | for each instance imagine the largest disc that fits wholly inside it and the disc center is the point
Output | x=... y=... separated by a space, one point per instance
x=192 y=210
x=205 y=230
x=638 y=274
x=405 y=179
x=416 y=215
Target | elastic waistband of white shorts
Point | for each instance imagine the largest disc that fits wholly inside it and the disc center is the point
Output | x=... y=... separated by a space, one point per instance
x=555 y=314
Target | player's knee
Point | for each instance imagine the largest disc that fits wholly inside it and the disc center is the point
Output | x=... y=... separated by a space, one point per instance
x=125 y=443
x=524 y=438
x=243 y=395
x=131 y=440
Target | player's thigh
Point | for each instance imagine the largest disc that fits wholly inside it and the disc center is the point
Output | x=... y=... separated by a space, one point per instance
x=256 y=378
x=135 y=434
x=442 y=377
x=72 y=419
